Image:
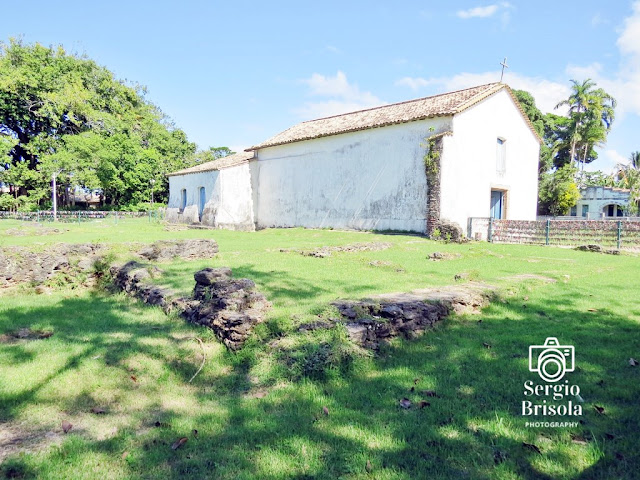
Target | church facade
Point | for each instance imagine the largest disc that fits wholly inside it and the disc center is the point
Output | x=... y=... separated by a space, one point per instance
x=367 y=170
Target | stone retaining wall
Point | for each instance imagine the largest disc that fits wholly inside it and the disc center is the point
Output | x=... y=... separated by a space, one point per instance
x=369 y=324
x=20 y=264
x=374 y=321
x=230 y=307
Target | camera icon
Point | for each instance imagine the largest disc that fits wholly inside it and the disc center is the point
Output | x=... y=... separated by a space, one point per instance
x=551 y=360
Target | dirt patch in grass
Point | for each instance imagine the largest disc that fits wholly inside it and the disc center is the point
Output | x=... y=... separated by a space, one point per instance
x=326 y=251
x=435 y=256
x=388 y=265
x=35 y=230
x=25 y=334
x=531 y=276
x=15 y=438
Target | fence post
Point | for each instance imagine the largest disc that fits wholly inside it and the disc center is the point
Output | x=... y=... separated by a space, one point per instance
x=619 y=234
x=547 y=231
x=490 y=232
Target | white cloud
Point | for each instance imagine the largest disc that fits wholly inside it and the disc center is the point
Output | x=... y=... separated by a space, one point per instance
x=598 y=19
x=487 y=11
x=478 y=12
x=342 y=96
x=623 y=84
x=629 y=40
x=412 y=83
x=607 y=161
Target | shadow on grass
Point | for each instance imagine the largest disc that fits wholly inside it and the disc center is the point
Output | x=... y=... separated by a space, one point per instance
x=472 y=427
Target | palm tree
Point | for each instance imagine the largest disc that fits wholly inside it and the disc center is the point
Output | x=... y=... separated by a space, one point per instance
x=592 y=112
x=629 y=178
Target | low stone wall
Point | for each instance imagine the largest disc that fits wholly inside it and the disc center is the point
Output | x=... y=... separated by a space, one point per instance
x=369 y=324
x=133 y=277
x=20 y=264
x=374 y=321
x=230 y=307
x=185 y=249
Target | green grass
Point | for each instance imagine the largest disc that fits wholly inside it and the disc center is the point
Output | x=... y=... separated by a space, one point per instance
x=472 y=429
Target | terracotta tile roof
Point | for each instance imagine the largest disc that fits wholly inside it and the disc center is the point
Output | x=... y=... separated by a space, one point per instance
x=445 y=104
x=224 y=162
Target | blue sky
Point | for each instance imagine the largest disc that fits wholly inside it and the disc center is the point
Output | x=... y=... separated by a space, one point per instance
x=234 y=73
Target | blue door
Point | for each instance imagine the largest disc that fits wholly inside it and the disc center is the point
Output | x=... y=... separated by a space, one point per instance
x=201 y=201
x=497 y=204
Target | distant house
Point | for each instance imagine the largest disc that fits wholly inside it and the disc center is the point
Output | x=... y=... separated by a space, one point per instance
x=366 y=169
x=601 y=202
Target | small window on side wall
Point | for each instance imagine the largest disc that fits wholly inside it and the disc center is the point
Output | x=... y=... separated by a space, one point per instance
x=183 y=199
x=501 y=155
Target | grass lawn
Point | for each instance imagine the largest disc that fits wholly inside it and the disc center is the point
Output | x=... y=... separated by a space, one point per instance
x=258 y=414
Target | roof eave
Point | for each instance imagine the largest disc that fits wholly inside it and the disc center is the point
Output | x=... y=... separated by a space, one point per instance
x=181 y=172
x=359 y=129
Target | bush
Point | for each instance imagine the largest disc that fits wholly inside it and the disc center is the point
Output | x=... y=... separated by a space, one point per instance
x=449 y=231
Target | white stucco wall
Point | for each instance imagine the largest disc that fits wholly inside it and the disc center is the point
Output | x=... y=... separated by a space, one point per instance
x=232 y=199
x=371 y=179
x=228 y=198
x=468 y=162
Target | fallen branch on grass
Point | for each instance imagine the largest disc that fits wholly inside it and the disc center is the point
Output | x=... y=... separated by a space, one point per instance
x=204 y=358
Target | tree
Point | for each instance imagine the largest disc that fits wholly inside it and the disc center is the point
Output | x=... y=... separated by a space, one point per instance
x=213 y=153
x=628 y=177
x=591 y=114
x=558 y=191
x=569 y=141
x=68 y=116
x=540 y=124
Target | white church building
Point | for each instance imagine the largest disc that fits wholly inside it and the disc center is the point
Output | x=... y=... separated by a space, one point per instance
x=366 y=170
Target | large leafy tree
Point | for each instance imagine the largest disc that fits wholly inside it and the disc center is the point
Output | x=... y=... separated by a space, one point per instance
x=65 y=115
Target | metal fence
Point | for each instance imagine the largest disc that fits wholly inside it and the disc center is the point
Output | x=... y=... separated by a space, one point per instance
x=80 y=216
x=612 y=233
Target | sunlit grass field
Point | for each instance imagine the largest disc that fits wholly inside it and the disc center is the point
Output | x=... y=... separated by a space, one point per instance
x=260 y=413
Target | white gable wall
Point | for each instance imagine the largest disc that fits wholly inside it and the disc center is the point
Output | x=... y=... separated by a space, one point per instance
x=228 y=198
x=370 y=179
x=468 y=162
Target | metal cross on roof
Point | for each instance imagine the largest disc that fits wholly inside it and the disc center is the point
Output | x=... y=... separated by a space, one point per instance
x=504 y=65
